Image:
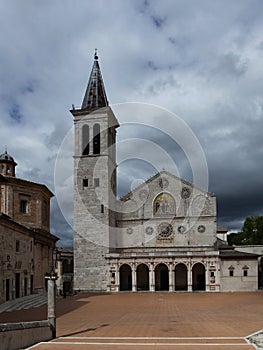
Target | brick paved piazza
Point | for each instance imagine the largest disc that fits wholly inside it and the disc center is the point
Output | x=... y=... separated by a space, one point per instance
x=159 y=320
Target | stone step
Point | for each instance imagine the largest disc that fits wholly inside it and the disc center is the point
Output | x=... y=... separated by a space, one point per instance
x=27 y=302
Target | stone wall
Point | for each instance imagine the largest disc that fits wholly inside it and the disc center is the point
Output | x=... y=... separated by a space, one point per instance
x=16 y=257
x=240 y=280
x=14 y=336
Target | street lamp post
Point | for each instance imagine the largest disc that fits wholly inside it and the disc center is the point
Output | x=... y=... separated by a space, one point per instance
x=51 y=293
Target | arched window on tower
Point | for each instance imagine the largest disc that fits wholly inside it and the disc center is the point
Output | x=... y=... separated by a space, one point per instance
x=85 y=140
x=164 y=204
x=96 y=139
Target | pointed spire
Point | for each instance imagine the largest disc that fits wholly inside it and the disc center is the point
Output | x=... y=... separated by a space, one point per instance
x=95 y=96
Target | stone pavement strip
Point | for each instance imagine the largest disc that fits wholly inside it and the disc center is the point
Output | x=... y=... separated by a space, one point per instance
x=189 y=321
x=145 y=343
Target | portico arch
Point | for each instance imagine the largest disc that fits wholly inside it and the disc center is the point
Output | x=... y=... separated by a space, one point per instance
x=180 y=272
x=125 y=277
x=161 y=277
x=198 y=277
x=142 y=274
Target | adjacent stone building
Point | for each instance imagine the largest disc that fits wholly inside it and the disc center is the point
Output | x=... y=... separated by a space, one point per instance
x=26 y=242
x=64 y=271
x=161 y=236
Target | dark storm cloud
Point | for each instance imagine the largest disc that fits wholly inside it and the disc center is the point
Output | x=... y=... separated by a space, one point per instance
x=159 y=138
x=32 y=174
x=59 y=226
x=15 y=113
x=158 y=21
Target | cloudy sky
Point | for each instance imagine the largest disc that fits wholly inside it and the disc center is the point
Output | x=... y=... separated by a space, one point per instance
x=201 y=60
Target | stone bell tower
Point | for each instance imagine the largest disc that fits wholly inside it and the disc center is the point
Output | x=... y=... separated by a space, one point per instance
x=94 y=184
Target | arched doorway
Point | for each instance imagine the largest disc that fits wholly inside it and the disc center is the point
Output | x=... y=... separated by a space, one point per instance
x=161 y=277
x=180 y=277
x=142 y=274
x=198 y=275
x=125 y=277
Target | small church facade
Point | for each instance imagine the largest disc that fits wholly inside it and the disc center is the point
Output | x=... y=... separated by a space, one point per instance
x=162 y=236
x=26 y=242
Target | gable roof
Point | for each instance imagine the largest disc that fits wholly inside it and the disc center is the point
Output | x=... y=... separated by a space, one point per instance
x=159 y=174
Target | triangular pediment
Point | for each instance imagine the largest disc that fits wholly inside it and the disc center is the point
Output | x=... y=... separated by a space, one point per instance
x=162 y=178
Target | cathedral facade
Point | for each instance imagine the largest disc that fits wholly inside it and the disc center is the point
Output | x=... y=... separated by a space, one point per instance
x=162 y=236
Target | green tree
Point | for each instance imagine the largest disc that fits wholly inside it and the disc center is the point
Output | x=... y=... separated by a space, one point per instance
x=251 y=233
x=235 y=238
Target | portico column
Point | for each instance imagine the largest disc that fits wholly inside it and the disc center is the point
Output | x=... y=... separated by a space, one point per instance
x=134 y=279
x=151 y=278
x=90 y=140
x=109 y=280
x=189 y=278
x=207 y=279
x=217 y=277
x=117 y=288
x=171 y=278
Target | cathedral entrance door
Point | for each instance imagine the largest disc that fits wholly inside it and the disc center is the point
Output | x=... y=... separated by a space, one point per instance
x=142 y=277
x=125 y=277
x=180 y=277
x=164 y=280
x=198 y=277
x=161 y=277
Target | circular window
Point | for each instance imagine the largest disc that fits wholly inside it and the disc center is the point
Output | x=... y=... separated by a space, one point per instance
x=165 y=230
x=129 y=230
x=201 y=228
x=149 y=230
x=186 y=192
